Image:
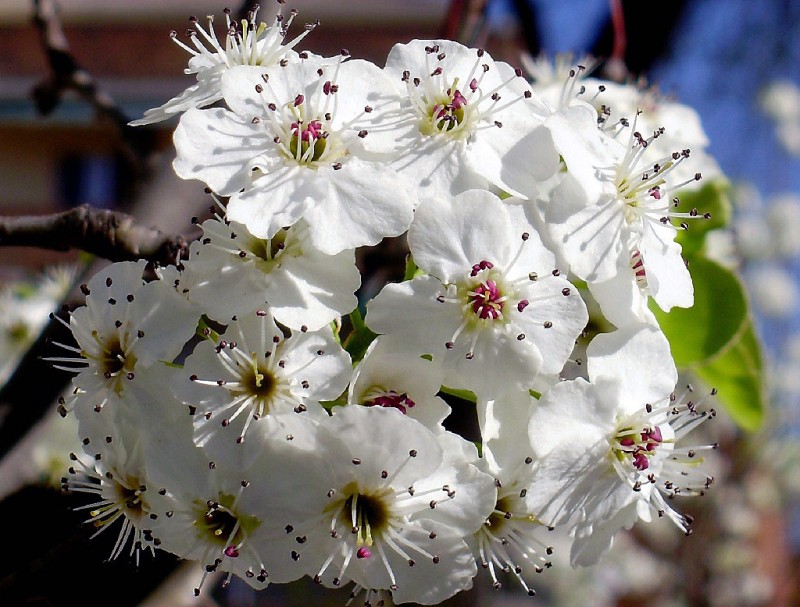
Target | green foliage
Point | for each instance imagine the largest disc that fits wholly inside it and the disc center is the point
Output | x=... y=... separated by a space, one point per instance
x=208 y=329
x=411 y=269
x=737 y=373
x=715 y=339
x=359 y=338
x=713 y=199
x=465 y=395
x=720 y=309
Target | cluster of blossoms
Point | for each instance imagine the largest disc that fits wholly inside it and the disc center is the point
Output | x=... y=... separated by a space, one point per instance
x=25 y=306
x=231 y=420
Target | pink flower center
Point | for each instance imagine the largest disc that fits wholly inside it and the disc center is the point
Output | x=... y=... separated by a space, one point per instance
x=312 y=130
x=449 y=115
x=363 y=553
x=641 y=447
x=308 y=140
x=392 y=399
x=487 y=300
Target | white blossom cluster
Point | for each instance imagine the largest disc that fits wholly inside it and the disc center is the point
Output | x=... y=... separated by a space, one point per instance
x=230 y=421
x=25 y=306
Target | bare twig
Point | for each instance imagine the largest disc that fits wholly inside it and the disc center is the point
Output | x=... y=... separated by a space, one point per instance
x=109 y=234
x=67 y=75
x=615 y=68
x=465 y=21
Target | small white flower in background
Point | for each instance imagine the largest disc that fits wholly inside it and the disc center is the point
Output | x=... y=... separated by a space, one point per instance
x=774 y=290
x=466 y=121
x=126 y=325
x=493 y=308
x=386 y=506
x=766 y=229
x=250 y=43
x=547 y=73
x=240 y=388
x=294 y=148
x=386 y=377
x=230 y=272
x=780 y=100
x=783 y=217
x=25 y=308
x=608 y=446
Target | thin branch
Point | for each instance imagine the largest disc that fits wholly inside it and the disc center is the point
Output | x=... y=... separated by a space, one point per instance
x=620 y=37
x=109 y=234
x=615 y=68
x=67 y=75
x=465 y=21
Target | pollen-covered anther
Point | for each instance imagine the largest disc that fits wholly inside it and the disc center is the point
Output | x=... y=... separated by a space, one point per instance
x=231 y=551
x=487 y=300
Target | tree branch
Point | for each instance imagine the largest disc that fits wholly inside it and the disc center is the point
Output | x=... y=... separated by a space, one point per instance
x=109 y=234
x=66 y=74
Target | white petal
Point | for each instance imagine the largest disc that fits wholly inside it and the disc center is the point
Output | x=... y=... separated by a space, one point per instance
x=364 y=202
x=639 y=359
x=621 y=300
x=667 y=276
x=216 y=146
x=448 y=237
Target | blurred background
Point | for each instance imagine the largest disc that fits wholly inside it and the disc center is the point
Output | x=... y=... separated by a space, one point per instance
x=734 y=61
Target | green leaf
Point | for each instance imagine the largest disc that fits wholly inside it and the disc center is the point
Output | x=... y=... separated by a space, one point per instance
x=715 y=340
x=208 y=329
x=411 y=269
x=711 y=198
x=359 y=338
x=466 y=395
x=720 y=310
x=737 y=374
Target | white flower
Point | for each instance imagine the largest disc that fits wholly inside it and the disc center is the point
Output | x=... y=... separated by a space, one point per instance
x=511 y=538
x=616 y=105
x=775 y=291
x=250 y=44
x=118 y=478
x=385 y=508
x=611 y=215
x=240 y=388
x=608 y=446
x=386 y=377
x=230 y=271
x=217 y=515
x=547 y=72
x=293 y=148
x=126 y=325
x=493 y=308
x=466 y=121
x=212 y=517
x=780 y=100
x=783 y=217
x=24 y=311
